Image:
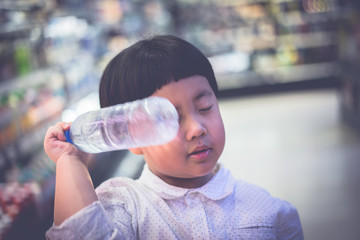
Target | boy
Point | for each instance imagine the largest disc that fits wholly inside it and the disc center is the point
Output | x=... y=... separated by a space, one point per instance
x=183 y=193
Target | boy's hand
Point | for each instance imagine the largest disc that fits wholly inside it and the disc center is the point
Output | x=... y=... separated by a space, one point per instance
x=55 y=144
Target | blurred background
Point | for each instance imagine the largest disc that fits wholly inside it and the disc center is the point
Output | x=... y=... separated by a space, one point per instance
x=289 y=95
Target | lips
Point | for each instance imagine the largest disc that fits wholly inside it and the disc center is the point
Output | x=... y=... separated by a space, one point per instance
x=200 y=152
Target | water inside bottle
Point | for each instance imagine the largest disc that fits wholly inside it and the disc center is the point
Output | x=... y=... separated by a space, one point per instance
x=151 y=121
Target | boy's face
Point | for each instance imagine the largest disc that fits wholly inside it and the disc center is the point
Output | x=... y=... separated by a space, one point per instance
x=189 y=159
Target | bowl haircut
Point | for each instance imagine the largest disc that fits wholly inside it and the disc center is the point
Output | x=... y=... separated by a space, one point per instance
x=141 y=69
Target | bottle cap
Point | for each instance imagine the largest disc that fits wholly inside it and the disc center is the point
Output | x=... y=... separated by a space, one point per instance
x=68 y=137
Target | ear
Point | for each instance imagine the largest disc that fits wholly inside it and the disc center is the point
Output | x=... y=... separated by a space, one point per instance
x=137 y=151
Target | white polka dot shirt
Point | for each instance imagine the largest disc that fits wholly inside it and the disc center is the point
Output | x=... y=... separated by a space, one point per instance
x=149 y=208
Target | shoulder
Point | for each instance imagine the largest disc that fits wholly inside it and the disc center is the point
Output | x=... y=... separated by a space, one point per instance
x=253 y=194
x=123 y=190
x=249 y=194
x=116 y=188
x=255 y=211
x=259 y=201
x=119 y=196
x=116 y=182
x=119 y=193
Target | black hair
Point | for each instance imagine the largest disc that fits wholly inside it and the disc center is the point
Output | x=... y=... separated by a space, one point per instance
x=141 y=69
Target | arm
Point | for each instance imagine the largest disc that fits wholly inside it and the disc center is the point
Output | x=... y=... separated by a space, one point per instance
x=74 y=189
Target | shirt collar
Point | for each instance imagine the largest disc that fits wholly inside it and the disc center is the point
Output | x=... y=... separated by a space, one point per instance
x=219 y=186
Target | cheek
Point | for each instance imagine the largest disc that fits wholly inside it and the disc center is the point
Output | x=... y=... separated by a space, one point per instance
x=219 y=132
x=176 y=145
x=166 y=150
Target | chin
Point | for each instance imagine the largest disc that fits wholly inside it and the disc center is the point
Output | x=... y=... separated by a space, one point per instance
x=207 y=171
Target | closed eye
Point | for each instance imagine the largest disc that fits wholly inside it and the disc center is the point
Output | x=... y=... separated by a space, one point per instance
x=205 y=109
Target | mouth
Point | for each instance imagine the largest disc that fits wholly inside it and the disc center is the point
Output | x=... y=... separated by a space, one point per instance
x=200 y=152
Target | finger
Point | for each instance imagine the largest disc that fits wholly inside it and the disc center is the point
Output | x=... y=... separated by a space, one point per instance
x=56 y=132
x=65 y=126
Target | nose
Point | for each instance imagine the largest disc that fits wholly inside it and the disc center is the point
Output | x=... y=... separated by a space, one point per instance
x=195 y=128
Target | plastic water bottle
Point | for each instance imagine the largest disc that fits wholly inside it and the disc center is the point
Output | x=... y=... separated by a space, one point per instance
x=150 y=121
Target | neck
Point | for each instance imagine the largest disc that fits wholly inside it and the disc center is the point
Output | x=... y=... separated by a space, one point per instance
x=190 y=182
